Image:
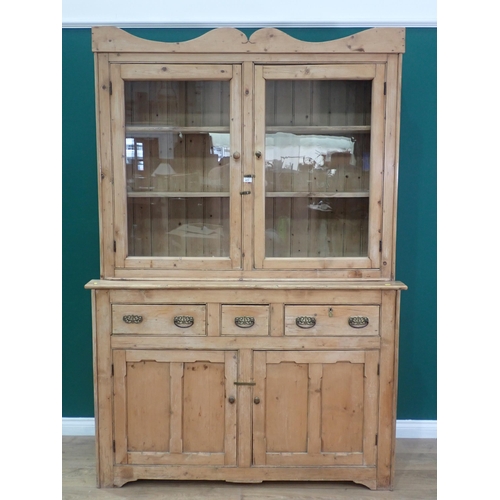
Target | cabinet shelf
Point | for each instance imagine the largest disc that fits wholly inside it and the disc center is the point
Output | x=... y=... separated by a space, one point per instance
x=225 y=194
x=139 y=130
x=299 y=130
x=320 y=130
x=336 y=194
x=177 y=194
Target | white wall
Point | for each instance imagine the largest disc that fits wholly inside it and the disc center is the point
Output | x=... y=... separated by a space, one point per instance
x=279 y=13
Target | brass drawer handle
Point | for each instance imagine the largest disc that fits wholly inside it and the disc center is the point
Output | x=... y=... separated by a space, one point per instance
x=183 y=321
x=132 y=319
x=358 y=321
x=305 y=321
x=244 y=321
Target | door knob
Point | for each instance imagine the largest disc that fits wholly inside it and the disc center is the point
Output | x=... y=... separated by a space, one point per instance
x=236 y=155
x=258 y=154
x=231 y=399
x=256 y=400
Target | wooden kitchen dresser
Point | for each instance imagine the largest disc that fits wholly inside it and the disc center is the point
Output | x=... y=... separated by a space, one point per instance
x=246 y=319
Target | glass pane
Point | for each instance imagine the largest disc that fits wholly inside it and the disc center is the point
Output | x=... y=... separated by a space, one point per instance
x=177 y=168
x=317 y=168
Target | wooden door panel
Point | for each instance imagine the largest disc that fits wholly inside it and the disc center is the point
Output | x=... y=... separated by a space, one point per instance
x=203 y=407
x=172 y=407
x=286 y=407
x=342 y=407
x=315 y=408
x=148 y=418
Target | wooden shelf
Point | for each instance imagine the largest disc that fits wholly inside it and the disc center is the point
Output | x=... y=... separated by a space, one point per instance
x=320 y=130
x=177 y=194
x=162 y=129
x=306 y=194
x=225 y=194
x=298 y=130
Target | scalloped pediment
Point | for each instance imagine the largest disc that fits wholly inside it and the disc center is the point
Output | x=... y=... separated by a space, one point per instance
x=265 y=40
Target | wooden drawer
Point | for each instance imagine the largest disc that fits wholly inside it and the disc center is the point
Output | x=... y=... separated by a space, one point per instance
x=245 y=320
x=331 y=320
x=171 y=319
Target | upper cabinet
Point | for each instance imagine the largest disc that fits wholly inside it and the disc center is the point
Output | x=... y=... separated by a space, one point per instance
x=267 y=157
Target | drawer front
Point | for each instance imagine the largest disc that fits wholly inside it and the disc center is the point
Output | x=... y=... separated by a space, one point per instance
x=331 y=320
x=171 y=319
x=244 y=320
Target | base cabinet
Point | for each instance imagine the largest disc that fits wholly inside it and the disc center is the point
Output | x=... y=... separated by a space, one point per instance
x=308 y=407
x=228 y=389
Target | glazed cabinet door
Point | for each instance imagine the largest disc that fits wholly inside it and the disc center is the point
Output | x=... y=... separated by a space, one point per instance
x=319 y=166
x=176 y=135
x=315 y=408
x=174 y=407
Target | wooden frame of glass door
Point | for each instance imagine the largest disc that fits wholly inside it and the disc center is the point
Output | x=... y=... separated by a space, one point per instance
x=373 y=72
x=120 y=73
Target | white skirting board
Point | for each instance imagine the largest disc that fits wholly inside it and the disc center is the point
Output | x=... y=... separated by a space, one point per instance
x=404 y=428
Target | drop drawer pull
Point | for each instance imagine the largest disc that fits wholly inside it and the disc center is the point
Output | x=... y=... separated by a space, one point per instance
x=358 y=321
x=132 y=318
x=305 y=321
x=183 y=321
x=244 y=321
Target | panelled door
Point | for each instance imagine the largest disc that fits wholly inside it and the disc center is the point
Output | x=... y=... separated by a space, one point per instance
x=176 y=150
x=174 y=407
x=319 y=165
x=315 y=408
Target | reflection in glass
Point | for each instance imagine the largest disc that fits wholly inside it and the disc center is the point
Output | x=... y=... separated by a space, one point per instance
x=317 y=168
x=177 y=168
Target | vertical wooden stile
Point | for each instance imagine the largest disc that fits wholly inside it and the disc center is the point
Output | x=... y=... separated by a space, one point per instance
x=259 y=139
x=376 y=164
x=245 y=408
x=231 y=374
x=371 y=390
x=391 y=159
x=95 y=346
x=277 y=319
x=120 y=191
x=176 y=398
x=395 y=383
x=120 y=406
x=104 y=382
x=213 y=319
x=259 y=411
x=105 y=170
x=314 y=410
x=387 y=380
x=239 y=206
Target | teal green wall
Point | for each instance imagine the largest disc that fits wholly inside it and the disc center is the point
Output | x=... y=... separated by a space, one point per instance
x=416 y=241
